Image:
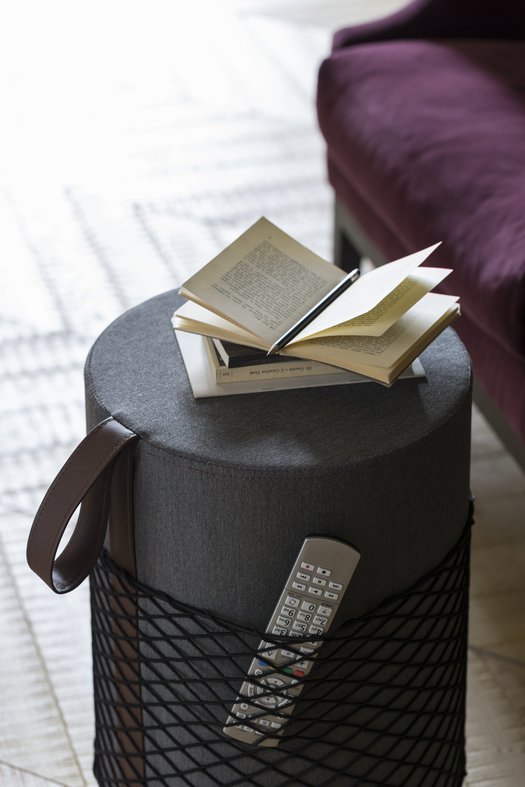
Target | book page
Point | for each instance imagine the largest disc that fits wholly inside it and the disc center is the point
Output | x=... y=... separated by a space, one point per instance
x=196 y=319
x=354 y=352
x=264 y=281
x=369 y=290
x=390 y=309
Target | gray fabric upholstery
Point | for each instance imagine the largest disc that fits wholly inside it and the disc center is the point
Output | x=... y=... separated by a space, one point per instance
x=227 y=488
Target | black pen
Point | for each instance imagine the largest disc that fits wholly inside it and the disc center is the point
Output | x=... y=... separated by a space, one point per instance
x=314 y=312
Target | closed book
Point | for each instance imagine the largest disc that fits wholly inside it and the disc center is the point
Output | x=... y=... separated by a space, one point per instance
x=272 y=368
x=235 y=355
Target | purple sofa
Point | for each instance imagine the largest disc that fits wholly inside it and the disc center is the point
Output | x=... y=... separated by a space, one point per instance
x=424 y=119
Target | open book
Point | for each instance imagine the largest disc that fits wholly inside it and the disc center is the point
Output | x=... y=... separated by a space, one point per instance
x=265 y=281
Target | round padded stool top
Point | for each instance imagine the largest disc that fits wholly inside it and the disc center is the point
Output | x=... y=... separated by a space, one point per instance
x=238 y=481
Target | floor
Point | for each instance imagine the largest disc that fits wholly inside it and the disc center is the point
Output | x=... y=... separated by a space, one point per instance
x=137 y=140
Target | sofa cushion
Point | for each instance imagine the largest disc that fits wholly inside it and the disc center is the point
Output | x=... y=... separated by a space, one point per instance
x=432 y=135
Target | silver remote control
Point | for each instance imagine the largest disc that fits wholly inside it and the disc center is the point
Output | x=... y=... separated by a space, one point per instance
x=312 y=594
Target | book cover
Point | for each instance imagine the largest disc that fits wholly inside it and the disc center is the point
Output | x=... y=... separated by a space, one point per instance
x=235 y=355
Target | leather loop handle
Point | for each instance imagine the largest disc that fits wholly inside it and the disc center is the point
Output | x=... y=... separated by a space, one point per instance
x=85 y=478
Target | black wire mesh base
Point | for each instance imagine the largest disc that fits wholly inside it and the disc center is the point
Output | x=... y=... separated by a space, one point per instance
x=383 y=705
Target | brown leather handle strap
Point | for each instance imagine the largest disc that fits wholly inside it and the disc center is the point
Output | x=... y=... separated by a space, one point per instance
x=85 y=478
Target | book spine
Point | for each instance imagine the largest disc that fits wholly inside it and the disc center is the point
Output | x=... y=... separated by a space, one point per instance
x=264 y=373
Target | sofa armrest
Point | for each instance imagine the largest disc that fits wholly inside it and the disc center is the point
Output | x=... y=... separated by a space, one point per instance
x=441 y=19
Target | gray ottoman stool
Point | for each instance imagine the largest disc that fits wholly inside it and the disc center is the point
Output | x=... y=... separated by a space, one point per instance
x=209 y=501
x=225 y=490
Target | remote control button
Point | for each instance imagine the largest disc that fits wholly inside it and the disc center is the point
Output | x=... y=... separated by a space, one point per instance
x=300 y=627
x=285 y=622
x=291 y=601
x=304 y=616
x=288 y=612
x=264 y=722
x=279 y=632
x=318 y=581
x=243 y=706
x=269 y=700
x=307 y=566
x=331 y=596
x=323 y=610
x=269 y=654
x=308 y=606
x=316 y=591
x=319 y=621
x=304 y=665
x=303 y=577
x=241 y=715
x=298 y=586
x=298 y=673
x=325 y=572
x=275 y=725
x=307 y=651
x=315 y=630
x=335 y=585
x=288 y=654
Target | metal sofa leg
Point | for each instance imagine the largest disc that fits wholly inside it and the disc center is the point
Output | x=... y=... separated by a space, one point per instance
x=346 y=255
x=350 y=242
